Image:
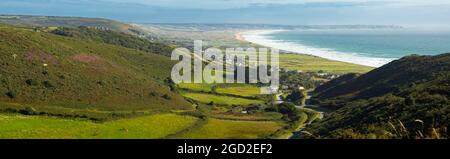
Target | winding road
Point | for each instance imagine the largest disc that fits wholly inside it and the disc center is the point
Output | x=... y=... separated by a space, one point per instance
x=321 y=110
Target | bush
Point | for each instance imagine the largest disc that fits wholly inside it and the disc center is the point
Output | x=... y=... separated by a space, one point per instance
x=31 y=82
x=287 y=108
x=47 y=84
x=165 y=96
x=101 y=83
x=153 y=94
x=29 y=111
x=271 y=109
x=11 y=94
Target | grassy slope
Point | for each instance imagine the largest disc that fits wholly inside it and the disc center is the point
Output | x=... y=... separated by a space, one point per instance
x=115 y=38
x=81 y=75
x=398 y=96
x=221 y=100
x=313 y=63
x=149 y=127
x=51 y=21
x=240 y=90
x=196 y=87
x=229 y=129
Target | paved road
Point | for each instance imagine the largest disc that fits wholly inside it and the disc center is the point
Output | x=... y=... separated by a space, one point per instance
x=317 y=108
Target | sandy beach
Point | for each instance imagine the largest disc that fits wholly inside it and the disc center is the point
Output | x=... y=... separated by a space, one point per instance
x=259 y=37
x=238 y=36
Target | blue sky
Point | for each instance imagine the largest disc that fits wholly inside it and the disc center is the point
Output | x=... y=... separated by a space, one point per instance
x=432 y=13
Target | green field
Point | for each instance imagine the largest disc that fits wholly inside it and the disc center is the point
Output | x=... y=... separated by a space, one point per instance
x=244 y=90
x=229 y=129
x=198 y=87
x=313 y=63
x=221 y=100
x=42 y=127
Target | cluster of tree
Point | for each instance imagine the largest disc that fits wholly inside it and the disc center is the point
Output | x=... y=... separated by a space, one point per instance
x=296 y=79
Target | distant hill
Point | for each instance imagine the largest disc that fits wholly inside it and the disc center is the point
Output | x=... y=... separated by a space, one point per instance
x=115 y=38
x=405 y=93
x=57 y=21
x=52 y=74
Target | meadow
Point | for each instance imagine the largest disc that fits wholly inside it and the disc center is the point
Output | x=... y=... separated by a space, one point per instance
x=230 y=129
x=313 y=63
x=239 y=90
x=197 y=87
x=15 y=126
x=220 y=100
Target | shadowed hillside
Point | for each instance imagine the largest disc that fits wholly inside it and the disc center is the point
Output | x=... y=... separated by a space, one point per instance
x=407 y=98
x=412 y=72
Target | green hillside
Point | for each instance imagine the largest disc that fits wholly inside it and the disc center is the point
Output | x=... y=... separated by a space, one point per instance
x=115 y=38
x=47 y=73
x=57 y=21
x=407 y=98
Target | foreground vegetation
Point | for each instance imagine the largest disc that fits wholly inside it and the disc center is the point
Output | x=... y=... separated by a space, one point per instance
x=407 y=98
x=45 y=127
x=239 y=90
x=232 y=129
x=220 y=100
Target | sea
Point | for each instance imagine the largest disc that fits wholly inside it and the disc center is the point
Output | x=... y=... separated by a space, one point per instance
x=370 y=47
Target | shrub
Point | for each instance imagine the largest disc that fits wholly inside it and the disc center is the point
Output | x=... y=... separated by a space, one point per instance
x=153 y=94
x=11 y=94
x=165 y=96
x=101 y=83
x=47 y=84
x=31 y=82
x=271 y=109
x=28 y=111
x=287 y=108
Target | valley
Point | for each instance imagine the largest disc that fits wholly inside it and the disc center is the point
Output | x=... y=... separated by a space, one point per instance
x=83 y=78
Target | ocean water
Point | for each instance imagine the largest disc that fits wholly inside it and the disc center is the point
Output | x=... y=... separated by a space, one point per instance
x=371 y=47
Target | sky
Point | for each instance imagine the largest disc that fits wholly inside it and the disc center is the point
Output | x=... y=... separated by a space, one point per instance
x=429 y=13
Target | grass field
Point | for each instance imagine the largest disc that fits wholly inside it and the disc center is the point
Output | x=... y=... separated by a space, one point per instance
x=313 y=63
x=42 y=127
x=198 y=87
x=229 y=129
x=240 y=90
x=221 y=100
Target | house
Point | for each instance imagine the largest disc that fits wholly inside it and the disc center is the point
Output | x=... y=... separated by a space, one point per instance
x=274 y=89
x=301 y=88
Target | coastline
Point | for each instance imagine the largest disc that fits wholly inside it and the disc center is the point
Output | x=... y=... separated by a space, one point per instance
x=258 y=37
x=238 y=36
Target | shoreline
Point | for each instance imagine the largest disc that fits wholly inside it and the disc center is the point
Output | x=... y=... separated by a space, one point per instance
x=257 y=37
x=238 y=36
